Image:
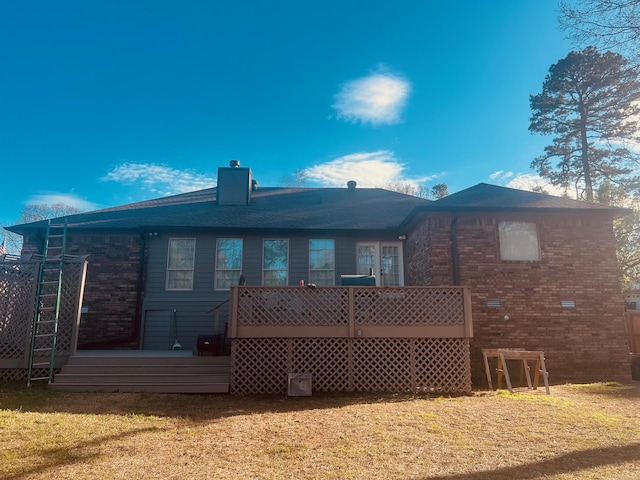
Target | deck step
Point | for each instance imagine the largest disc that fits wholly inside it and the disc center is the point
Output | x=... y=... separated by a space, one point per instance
x=129 y=378
x=173 y=372
x=146 y=368
x=143 y=387
x=146 y=360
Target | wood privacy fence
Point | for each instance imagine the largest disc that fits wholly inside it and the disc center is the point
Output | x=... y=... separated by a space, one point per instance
x=400 y=339
x=632 y=318
x=18 y=285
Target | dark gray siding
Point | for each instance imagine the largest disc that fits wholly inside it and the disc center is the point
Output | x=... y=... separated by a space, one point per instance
x=193 y=308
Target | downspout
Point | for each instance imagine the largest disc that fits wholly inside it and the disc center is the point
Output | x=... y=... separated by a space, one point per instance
x=454 y=251
x=137 y=319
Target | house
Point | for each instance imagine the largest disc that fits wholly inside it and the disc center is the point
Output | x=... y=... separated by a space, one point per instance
x=541 y=269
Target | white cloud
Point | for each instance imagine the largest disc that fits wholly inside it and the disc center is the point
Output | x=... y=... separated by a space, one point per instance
x=500 y=175
x=69 y=199
x=528 y=181
x=368 y=169
x=159 y=179
x=377 y=99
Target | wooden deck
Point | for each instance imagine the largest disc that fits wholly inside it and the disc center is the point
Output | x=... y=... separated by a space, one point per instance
x=158 y=371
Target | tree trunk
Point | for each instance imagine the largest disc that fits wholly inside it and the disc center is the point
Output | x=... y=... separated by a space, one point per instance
x=586 y=168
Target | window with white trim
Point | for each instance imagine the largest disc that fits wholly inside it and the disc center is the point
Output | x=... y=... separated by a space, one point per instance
x=275 y=262
x=518 y=241
x=228 y=262
x=322 y=262
x=180 y=263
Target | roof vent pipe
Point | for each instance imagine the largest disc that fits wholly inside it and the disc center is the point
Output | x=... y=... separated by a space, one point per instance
x=351 y=185
x=234 y=163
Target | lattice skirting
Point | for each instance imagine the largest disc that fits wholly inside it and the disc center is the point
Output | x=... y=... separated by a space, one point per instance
x=11 y=374
x=440 y=365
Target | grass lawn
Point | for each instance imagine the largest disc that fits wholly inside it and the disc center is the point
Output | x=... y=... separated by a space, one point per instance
x=579 y=431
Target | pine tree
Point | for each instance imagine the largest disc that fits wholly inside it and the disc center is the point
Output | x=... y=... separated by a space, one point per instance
x=590 y=101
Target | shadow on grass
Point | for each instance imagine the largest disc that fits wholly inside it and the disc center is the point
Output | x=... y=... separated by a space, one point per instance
x=563 y=464
x=608 y=389
x=209 y=407
x=53 y=458
x=196 y=407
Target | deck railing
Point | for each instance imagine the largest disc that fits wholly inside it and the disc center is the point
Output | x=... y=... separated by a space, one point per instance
x=374 y=312
x=351 y=338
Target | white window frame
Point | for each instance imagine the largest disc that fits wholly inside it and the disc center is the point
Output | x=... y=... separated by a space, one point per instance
x=182 y=269
x=220 y=270
x=264 y=270
x=519 y=241
x=332 y=270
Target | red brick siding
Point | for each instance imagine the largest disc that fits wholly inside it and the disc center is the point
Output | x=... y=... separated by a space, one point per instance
x=111 y=286
x=578 y=263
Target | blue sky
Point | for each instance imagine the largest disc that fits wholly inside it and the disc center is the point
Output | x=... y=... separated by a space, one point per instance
x=109 y=102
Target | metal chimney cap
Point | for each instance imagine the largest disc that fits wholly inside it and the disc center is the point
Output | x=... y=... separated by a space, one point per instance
x=351 y=184
x=234 y=163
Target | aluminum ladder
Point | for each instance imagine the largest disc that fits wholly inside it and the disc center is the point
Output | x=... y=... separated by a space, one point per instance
x=44 y=331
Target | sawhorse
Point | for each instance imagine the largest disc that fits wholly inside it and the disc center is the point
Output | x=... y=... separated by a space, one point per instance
x=504 y=354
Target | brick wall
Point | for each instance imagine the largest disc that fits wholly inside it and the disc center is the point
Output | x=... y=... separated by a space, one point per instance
x=578 y=263
x=111 y=287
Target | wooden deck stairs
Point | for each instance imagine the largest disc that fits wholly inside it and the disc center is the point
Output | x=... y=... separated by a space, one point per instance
x=158 y=372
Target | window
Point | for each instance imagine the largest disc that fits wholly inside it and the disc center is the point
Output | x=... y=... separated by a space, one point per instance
x=518 y=241
x=228 y=262
x=180 y=262
x=322 y=262
x=275 y=262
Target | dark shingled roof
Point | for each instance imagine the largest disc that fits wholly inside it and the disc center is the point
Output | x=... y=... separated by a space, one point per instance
x=271 y=208
x=314 y=209
x=485 y=197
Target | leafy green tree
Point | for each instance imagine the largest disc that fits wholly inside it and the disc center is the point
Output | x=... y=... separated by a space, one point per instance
x=590 y=102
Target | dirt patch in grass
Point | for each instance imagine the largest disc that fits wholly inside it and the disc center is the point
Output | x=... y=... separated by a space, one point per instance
x=579 y=431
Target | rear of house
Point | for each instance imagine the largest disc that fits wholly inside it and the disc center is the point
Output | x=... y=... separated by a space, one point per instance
x=541 y=269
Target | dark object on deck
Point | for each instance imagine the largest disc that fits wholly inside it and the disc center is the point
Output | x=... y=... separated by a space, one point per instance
x=208 y=344
x=358 y=280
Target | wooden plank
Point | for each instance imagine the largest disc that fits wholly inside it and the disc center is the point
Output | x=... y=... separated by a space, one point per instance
x=486 y=369
x=509 y=354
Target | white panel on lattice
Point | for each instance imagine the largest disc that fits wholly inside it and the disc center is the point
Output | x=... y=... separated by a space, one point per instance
x=299 y=385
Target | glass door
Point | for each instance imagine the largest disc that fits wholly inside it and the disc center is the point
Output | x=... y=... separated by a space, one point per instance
x=382 y=259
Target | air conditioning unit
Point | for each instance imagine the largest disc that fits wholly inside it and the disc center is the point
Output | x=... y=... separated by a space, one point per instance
x=299 y=385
